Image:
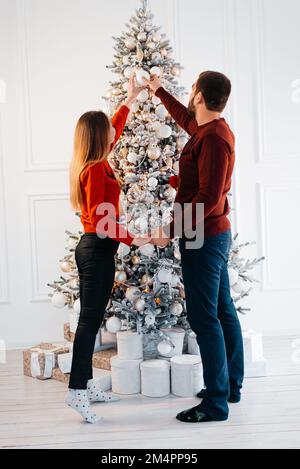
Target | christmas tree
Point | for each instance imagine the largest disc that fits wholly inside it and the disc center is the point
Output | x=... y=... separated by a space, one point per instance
x=148 y=293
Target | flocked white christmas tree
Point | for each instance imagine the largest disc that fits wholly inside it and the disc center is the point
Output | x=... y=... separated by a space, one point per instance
x=148 y=293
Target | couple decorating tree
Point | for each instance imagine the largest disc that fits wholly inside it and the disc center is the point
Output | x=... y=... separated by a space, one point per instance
x=204 y=179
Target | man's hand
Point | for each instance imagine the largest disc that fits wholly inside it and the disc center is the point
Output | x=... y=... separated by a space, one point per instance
x=159 y=238
x=154 y=83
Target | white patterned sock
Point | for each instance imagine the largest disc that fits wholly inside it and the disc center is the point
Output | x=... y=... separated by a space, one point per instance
x=79 y=401
x=95 y=393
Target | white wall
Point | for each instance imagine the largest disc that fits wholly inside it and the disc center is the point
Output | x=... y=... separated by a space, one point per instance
x=53 y=56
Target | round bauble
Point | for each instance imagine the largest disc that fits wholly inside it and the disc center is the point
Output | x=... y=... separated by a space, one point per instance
x=233 y=276
x=150 y=319
x=176 y=167
x=65 y=266
x=113 y=324
x=164 y=52
x=176 y=308
x=175 y=280
x=155 y=71
x=58 y=300
x=130 y=43
x=155 y=100
x=134 y=107
x=142 y=36
x=147 y=250
x=156 y=58
x=152 y=183
x=128 y=72
x=164 y=347
x=165 y=131
x=175 y=71
x=136 y=260
x=181 y=142
x=139 y=304
x=156 y=36
x=161 y=111
x=147 y=279
x=154 y=153
x=76 y=306
x=132 y=293
x=120 y=276
x=143 y=96
x=139 y=75
x=151 y=45
x=132 y=157
x=164 y=276
x=125 y=86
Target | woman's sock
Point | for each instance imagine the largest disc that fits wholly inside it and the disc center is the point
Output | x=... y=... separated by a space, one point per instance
x=79 y=401
x=95 y=393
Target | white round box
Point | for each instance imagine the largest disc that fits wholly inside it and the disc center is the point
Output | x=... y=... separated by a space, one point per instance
x=130 y=345
x=186 y=375
x=125 y=375
x=155 y=378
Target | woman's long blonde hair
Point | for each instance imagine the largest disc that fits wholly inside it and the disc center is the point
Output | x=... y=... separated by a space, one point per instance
x=90 y=145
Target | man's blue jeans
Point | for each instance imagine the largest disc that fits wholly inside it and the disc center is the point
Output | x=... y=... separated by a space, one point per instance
x=213 y=318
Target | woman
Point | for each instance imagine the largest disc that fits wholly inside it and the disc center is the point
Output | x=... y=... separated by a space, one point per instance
x=92 y=183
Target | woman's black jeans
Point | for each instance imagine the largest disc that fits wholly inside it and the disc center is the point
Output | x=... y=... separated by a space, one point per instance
x=96 y=267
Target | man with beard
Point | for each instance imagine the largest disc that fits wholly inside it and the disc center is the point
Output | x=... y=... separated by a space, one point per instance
x=205 y=171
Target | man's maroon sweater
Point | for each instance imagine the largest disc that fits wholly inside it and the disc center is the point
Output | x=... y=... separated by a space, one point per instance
x=205 y=168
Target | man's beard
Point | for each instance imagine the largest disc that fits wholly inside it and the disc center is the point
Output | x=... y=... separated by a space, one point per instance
x=191 y=107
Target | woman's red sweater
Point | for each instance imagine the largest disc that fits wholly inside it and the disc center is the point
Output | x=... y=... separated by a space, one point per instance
x=99 y=185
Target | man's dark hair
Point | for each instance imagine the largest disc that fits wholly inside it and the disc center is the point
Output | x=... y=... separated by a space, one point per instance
x=215 y=88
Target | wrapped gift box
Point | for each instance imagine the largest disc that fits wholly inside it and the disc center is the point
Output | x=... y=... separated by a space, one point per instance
x=104 y=340
x=102 y=359
x=39 y=361
x=256 y=369
x=64 y=361
x=253 y=346
x=60 y=376
x=103 y=377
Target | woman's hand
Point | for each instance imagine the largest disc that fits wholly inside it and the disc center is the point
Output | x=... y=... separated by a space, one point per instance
x=133 y=91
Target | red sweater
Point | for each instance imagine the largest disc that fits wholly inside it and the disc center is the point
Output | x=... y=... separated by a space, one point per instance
x=205 y=168
x=98 y=185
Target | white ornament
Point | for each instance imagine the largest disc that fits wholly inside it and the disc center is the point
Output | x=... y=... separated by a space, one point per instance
x=156 y=126
x=176 y=71
x=142 y=37
x=125 y=86
x=151 y=45
x=176 y=167
x=155 y=100
x=155 y=71
x=176 y=308
x=113 y=324
x=156 y=36
x=58 y=300
x=181 y=142
x=164 y=52
x=161 y=111
x=139 y=75
x=152 y=182
x=132 y=293
x=146 y=279
x=132 y=157
x=123 y=249
x=128 y=72
x=164 y=276
x=143 y=96
x=147 y=250
x=139 y=304
x=175 y=280
x=120 y=276
x=164 y=347
x=76 y=306
x=177 y=254
x=130 y=43
x=233 y=276
x=165 y=131
x=154 y=153
x=65 y=266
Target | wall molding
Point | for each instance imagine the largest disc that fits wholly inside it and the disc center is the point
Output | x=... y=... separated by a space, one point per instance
x=263 y=191
x=4 y=272
x=258 y=29
x=30 y=165
x=32 y=201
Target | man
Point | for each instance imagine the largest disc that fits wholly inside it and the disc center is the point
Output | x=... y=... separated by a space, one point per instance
x=206 y=167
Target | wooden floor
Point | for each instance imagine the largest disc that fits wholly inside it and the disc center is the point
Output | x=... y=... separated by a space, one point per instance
x=33 y=415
